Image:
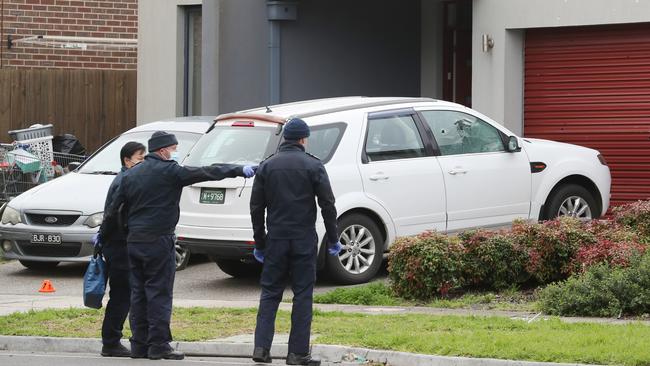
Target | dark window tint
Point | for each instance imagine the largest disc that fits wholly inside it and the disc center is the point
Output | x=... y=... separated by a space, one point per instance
x=324 y=140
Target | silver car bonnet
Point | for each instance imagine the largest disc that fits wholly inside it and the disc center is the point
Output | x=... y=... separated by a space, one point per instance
x=85 y=193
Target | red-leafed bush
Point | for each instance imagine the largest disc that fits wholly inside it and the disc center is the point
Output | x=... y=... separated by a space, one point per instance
x=429 y=264
x=635 y=216
x=551 y=246
x=613 y=253
x=493 y=260
x=426 y=265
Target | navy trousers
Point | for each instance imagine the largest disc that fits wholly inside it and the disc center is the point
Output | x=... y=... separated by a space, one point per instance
x=285 y=260
x=119 y=302
x=153 y=268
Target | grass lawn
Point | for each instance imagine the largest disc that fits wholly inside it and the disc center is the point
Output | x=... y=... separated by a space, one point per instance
x=493 y=337
x=380 y=294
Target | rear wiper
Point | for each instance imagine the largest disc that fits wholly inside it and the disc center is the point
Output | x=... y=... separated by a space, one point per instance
x=102 y=172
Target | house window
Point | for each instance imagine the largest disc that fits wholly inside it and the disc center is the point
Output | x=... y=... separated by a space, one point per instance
x=192 y=68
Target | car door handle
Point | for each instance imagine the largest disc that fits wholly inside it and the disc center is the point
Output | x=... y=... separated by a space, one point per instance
x=457 y=171
x=378 y=176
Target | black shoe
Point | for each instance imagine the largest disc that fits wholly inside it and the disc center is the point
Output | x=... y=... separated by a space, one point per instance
x=115 y=351
x=262 y=355
x=296 y=359
x=167 y=355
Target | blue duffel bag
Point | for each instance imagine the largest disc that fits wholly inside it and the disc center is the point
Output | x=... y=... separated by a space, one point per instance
x=95 y=282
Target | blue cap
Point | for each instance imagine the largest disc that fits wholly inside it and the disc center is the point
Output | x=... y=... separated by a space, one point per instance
x=296 y=129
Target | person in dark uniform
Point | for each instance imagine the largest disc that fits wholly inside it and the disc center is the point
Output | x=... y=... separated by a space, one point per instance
x=286 y=186
x=117 y=265
x=149 y=195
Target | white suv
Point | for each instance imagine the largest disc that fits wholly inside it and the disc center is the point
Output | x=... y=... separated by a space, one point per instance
x=398 y=166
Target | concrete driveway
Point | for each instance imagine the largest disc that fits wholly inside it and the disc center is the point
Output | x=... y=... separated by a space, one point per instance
x=201 y=284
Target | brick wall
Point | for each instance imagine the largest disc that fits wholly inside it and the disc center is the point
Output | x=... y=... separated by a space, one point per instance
x=103 y=19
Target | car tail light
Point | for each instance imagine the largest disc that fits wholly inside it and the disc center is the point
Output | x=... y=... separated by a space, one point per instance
x=602 y=160
x=251 y=242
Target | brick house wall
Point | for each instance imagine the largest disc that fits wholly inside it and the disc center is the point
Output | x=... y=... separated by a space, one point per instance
x=102 y=19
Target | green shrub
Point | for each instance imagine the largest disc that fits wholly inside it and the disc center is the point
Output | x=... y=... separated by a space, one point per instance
x=423 y=266
x=583 y=295
x=601 y=291
x=493 y=260
x=635 y=216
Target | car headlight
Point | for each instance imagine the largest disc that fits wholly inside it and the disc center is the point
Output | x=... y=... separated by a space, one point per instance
x=94 y=220
x=11 y=216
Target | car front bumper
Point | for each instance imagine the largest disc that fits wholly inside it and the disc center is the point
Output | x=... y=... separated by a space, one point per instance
x=76 y=244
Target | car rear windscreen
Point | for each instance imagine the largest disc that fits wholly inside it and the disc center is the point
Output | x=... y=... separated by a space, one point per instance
x=234 y=145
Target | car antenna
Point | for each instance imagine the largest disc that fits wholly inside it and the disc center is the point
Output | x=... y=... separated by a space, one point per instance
x=268 y=110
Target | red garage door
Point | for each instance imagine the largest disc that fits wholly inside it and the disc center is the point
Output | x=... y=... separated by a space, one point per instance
x=590 y=86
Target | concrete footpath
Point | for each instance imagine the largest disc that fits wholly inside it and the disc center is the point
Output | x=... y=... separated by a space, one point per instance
x=22 y=303
x=63 y=351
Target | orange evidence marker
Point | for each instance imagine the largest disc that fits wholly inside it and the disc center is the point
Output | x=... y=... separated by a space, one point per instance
x=47 y=287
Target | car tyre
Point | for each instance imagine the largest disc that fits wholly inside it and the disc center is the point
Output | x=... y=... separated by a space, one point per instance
x=182 y=257
x=238 y=268
x=361 y=238
x=562 y=200
x=38 y=266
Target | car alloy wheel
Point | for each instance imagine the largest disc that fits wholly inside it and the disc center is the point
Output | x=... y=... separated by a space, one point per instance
x=182 y=257
x=358 y=251
x=575 y=206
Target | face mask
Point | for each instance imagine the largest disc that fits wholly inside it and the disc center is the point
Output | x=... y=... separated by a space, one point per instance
x=174 y=156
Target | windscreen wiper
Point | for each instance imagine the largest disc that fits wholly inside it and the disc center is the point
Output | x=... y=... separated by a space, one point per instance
x=102 y=172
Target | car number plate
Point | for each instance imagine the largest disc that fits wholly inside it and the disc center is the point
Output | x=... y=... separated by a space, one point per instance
x=214 y=196
x=46 y=239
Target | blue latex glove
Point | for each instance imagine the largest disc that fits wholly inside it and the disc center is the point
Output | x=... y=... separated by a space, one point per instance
x=335 y=249
x=249 y=171
x=97 y=240
x=259 y=255
x=97 y=244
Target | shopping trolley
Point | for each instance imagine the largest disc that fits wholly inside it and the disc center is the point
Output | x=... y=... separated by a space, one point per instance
x=30 y=161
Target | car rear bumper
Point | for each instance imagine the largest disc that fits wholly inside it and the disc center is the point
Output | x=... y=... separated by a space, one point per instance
x=220 y=242
x=221 y=249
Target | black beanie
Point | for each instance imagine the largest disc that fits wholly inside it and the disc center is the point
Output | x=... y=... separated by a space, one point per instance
x=161 y=139
x=296 y=129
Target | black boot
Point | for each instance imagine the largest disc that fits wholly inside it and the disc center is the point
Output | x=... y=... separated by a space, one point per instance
x=117 y=350
x=262 y=355
x=296 y=359
x=167 y=355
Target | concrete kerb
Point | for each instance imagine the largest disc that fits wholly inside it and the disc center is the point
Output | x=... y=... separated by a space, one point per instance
x=335 y=354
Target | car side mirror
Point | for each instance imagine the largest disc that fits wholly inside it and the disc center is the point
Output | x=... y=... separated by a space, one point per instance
x=513 y=144
x=73 y=166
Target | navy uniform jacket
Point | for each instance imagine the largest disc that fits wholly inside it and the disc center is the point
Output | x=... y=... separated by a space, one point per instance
x=151 y=191
x=114 y=235
x=286 y=186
